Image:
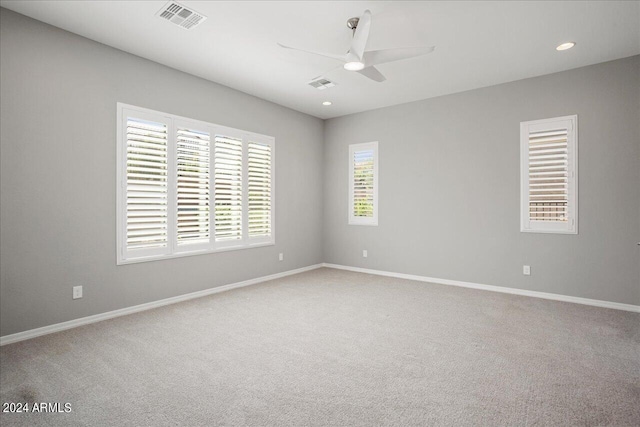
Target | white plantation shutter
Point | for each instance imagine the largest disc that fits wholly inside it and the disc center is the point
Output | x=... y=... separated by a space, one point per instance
x=228 y=188
x=188 y=187
x=549 y=156
x=193 y=193
x=363 y=183
x=259 y=189
x=146 y=184
x=548 y=175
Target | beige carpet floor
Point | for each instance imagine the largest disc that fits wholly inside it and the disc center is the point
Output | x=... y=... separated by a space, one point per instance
x=336 y=348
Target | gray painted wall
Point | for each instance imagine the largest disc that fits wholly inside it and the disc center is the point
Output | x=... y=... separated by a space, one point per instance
x=441 y=160
x=58 y=177
x=449 y=186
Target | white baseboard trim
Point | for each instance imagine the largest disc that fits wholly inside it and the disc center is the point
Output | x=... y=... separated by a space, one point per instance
x=45 y=330
x=535 y=294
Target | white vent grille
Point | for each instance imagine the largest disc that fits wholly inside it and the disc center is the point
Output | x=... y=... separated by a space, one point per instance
x=180 y=15
x=321 y=84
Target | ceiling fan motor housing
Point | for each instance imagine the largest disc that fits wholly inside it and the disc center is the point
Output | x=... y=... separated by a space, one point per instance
x=353 y=23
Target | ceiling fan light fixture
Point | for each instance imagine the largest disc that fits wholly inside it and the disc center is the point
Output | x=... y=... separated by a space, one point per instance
x=565 y=46
x=358 y=59
x=354 y=66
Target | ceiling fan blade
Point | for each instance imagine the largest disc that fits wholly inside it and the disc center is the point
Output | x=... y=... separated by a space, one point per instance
x=373 y=74
x=323 y=75
x=375 y=57
x=326 y=55
x=359 y=42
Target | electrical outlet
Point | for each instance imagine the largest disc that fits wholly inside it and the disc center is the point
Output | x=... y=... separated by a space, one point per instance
x=364 y=253
x=77 y=292
x=281 y=257
x=526 y=270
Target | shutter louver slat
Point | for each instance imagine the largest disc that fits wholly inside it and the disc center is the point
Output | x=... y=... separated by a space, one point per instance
x=193 y=191
x=228 y=189
x=146 y=189
x=548 y=175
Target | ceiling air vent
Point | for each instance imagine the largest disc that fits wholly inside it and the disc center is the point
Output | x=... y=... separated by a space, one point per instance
x=180 y=15
x=321 y=84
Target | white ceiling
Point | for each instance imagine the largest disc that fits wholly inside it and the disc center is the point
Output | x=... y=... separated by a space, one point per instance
x=477 y=43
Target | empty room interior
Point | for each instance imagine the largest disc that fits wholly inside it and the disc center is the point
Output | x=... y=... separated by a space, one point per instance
x=330 y=213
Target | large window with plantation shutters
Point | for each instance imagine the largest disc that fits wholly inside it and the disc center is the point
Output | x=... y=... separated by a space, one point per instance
x=549 y=175
x=187 y=187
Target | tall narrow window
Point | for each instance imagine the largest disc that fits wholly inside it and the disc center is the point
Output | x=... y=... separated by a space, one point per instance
x=549 y=175
x=363 y=184
x=187 y=187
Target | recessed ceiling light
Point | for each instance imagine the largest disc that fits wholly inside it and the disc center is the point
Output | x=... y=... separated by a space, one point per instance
x=354 y=66
x=327 y=103
x=565 y=46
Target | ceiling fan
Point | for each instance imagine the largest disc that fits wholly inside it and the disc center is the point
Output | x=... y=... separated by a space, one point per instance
x=364 y=62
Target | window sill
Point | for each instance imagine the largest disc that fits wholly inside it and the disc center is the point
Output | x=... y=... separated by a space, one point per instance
x=549 y=231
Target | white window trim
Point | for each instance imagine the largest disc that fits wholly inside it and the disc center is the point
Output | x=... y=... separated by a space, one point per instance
x=556 y=227
x=173 y=250
x=353 y=148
